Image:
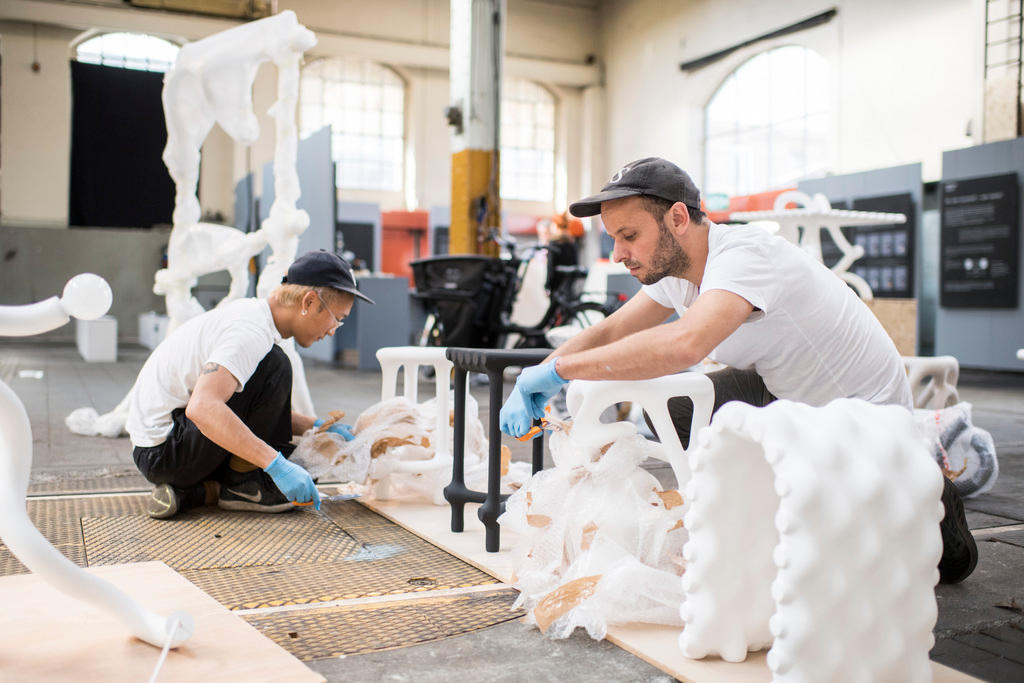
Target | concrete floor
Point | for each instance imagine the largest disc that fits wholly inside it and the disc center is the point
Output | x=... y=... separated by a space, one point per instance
x=980 y=628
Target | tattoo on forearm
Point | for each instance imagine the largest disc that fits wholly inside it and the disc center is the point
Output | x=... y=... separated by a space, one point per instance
x=210 y=368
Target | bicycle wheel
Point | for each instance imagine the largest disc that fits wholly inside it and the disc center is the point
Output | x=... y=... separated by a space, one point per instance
x=587 y=314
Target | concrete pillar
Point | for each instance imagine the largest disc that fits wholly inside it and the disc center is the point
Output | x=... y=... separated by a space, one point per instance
x=594 y=171
x=476 y=53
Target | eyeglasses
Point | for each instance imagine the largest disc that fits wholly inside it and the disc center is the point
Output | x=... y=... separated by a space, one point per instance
x=337 y=321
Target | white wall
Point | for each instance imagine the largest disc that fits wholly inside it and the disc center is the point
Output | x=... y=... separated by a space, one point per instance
x=907 y=74
x=545 y=42
x=35 y=127
x=907 y=80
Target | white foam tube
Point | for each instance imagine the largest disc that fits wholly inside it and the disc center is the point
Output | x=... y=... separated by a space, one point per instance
x=25 y=321
x=16 y=529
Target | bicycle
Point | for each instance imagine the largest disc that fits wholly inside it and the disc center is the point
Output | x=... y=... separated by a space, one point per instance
x=469 y=300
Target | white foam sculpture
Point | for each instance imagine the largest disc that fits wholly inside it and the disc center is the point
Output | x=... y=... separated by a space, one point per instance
x=802 y=226
x=86 y=297
x=814 y=531
x=409 y=359
x=211 y=82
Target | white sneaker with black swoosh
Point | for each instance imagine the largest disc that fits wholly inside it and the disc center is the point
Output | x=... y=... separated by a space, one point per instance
x=253 y=491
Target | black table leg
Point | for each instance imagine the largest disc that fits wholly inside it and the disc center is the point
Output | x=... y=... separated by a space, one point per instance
x=492 y=507
x=455 y=492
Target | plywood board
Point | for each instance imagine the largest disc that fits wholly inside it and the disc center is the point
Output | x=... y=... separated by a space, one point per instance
x=899 y=318
x=657 y=645
x=48 y=636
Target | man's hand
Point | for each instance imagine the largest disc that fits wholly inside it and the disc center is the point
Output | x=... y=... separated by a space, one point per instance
x=338 y=428
x=534 y=388
x=293 y=481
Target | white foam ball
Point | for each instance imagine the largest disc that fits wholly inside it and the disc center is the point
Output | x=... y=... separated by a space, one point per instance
x=86 y=296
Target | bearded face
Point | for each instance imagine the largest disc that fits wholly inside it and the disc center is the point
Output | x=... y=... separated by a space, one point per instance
x=668 y=258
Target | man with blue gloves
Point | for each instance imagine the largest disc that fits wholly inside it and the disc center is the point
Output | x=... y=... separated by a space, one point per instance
x=782 y=322
x=210 y=416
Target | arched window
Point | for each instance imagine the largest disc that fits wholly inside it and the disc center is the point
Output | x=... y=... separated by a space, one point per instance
x=364 y=103
x=128 y=51
x=527 y=142
x=766 y=126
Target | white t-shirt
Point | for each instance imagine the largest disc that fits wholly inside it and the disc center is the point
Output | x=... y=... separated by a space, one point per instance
x=235 y=336
x=813 y=340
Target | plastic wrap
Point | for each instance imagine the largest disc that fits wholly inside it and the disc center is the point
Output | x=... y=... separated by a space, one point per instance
x=967 y=454
x=392 y=434
x=601 y=542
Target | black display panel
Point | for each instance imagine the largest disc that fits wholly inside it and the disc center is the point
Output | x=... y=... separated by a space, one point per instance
x=357 y=238
x=888 y=261
x=980 y=236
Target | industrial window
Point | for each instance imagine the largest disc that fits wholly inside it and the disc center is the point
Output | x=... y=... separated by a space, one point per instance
x=767 y=125
x=364 y=103
x=128 y=51
x=527 y=142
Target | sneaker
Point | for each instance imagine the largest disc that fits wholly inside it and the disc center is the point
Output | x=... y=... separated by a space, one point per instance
x=959 y=551
x=253 y=491
x=165 y=501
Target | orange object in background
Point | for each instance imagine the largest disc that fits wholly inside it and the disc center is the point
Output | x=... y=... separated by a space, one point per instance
x=403 y=239
x=762 y=201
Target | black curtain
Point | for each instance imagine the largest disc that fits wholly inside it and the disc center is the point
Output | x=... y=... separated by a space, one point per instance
x=117 y=136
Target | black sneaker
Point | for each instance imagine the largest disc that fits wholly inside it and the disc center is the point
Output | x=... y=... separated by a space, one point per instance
x=254 y=491
x=165 y=501
x=959 y=551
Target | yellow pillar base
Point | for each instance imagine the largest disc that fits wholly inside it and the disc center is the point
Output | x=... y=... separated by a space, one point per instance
x=472 y=184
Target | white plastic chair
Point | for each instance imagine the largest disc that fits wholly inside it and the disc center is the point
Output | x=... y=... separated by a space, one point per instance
x=410 y=358
x=587 y=400
x=933 y=380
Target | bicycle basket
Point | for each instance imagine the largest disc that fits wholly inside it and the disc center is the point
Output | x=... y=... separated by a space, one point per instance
x=464 y=293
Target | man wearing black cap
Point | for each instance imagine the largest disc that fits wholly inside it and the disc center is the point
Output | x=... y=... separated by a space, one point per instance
x=785 y=325
x=210 y=417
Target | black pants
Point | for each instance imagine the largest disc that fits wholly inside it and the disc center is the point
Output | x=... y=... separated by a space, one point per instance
x=730 y=385
x=187 y=457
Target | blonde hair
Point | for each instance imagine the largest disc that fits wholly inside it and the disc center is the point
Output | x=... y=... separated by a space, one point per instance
x=290 y=295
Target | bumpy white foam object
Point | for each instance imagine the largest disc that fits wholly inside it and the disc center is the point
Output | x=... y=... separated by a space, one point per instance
x=88 y=295
x=815 y=531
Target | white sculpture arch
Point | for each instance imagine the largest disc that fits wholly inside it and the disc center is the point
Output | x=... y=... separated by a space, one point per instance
x=814 y=531
x=211 y=82
x=86 y=297
x=803 y=226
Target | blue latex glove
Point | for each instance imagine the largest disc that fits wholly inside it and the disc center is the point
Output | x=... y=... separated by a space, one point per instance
x=338 y=428
x=293 y=481
x=534 y=388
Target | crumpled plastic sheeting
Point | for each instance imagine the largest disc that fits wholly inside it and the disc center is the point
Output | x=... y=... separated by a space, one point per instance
x=392 y=453
x=967 y=454
x=601 y=541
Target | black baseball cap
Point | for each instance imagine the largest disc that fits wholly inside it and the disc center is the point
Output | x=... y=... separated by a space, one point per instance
x=653 y=177
x=323 y=269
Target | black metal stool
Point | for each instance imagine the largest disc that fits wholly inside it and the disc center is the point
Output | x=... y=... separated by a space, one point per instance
x=491 y=362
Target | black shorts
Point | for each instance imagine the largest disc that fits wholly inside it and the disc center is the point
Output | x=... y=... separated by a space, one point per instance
x=187 y=457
